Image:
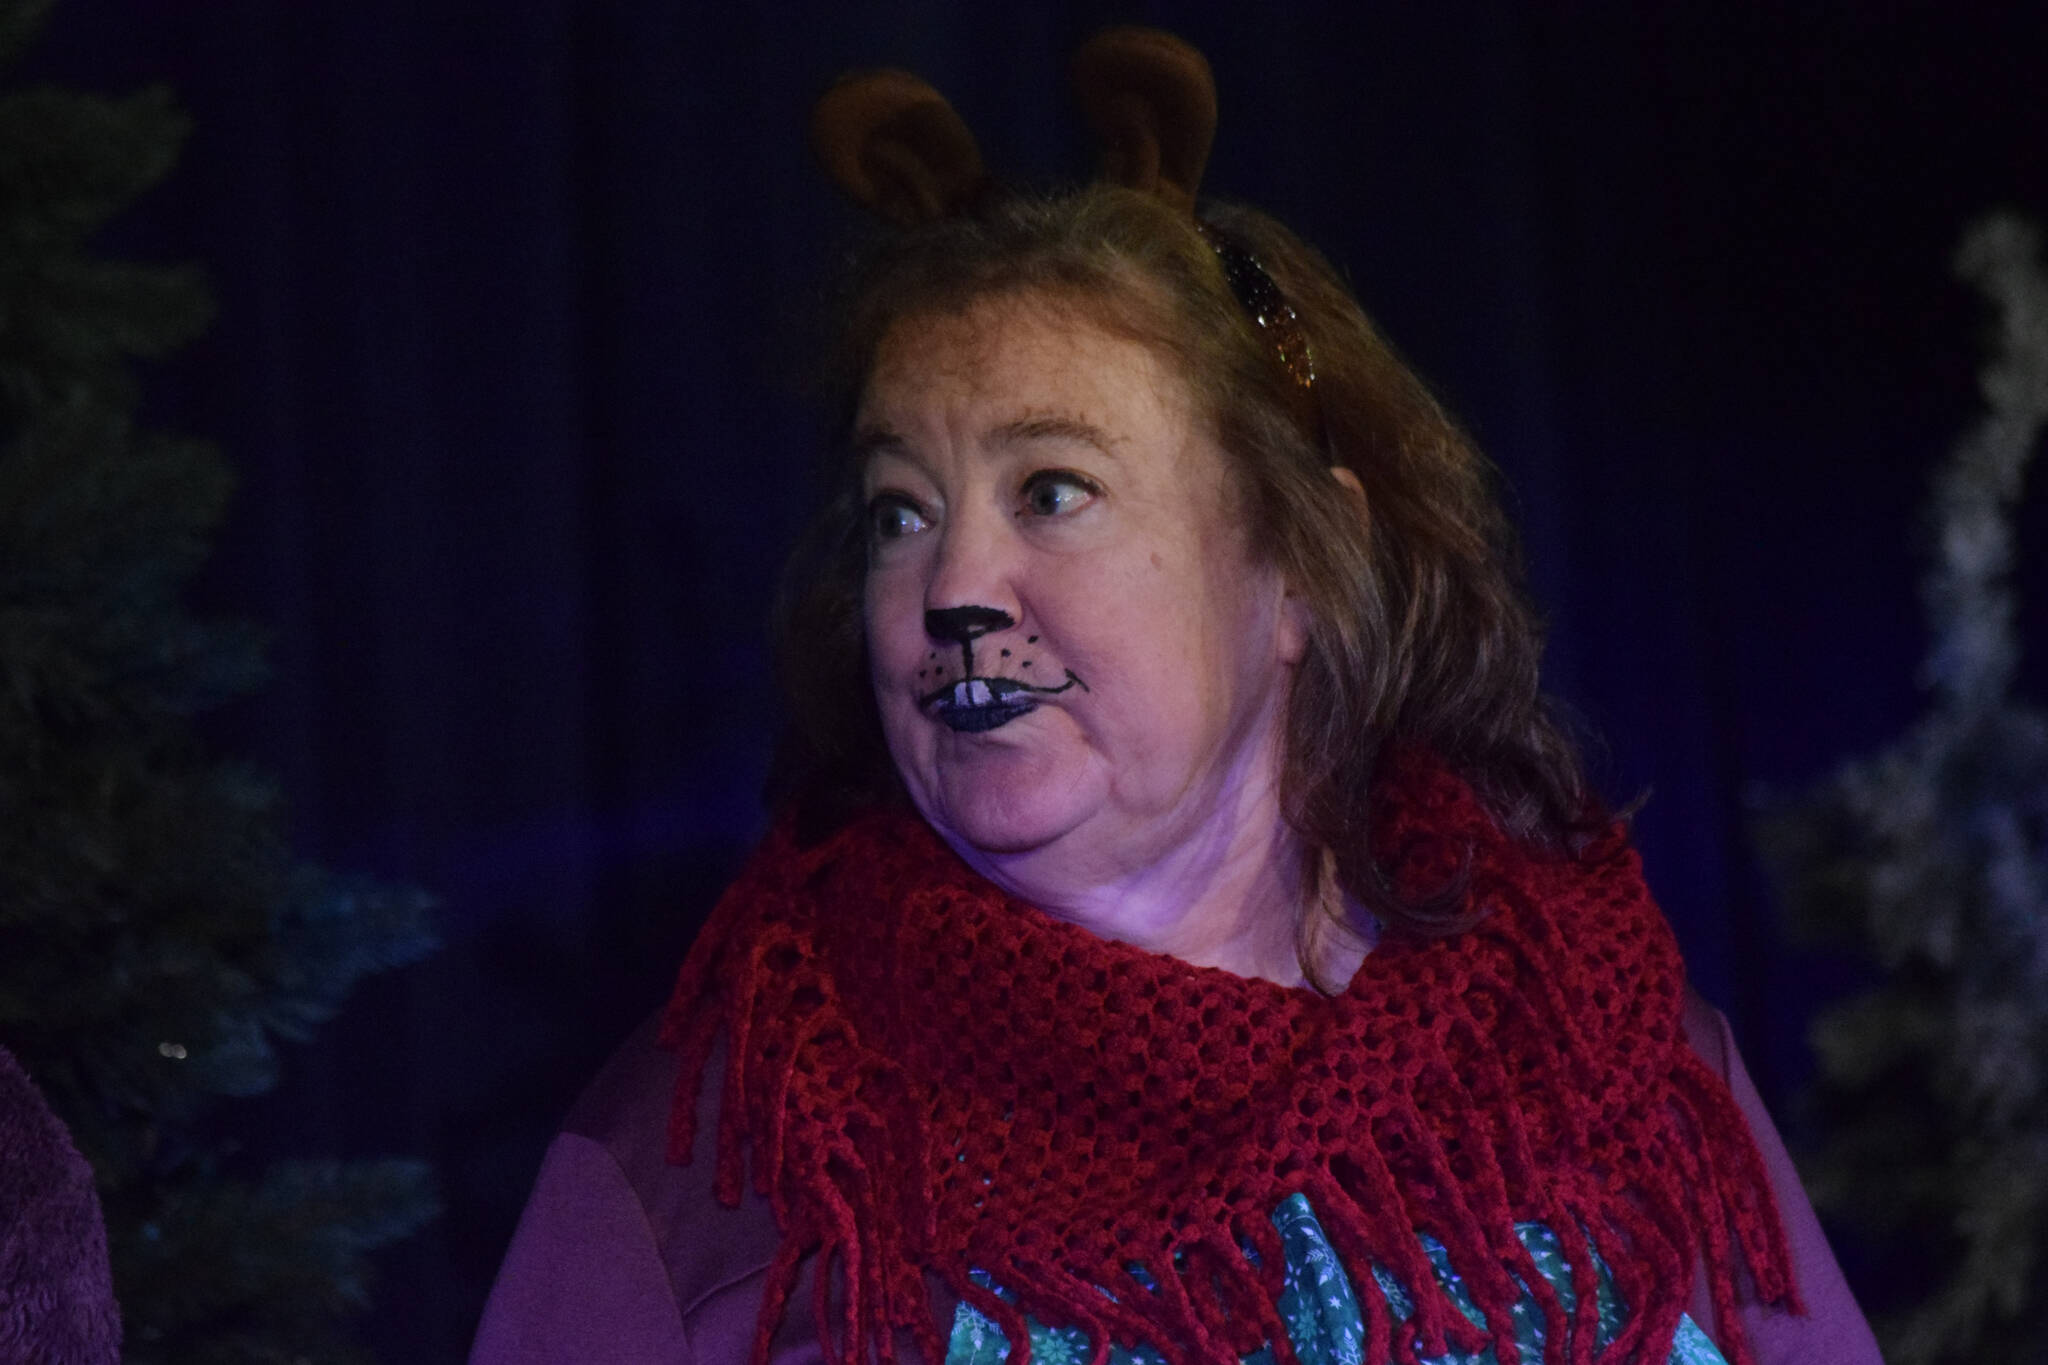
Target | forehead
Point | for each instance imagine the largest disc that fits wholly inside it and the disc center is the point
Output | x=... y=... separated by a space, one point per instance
x=1014 y=357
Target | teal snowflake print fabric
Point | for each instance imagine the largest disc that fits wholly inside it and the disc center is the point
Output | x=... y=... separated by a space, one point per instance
x=1320 y=1308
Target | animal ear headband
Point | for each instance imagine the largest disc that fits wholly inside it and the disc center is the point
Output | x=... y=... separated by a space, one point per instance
x=897 y=148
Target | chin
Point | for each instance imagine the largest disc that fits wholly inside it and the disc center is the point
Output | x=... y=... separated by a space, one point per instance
x=1016 y=804
x=1001 y=833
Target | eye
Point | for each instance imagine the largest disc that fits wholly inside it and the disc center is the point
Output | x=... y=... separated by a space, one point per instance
x=1058 y=492
x=891 y=516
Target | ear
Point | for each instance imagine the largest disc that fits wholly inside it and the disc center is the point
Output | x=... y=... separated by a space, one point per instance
x=1151 y=98
x=895 y=145
x=1354 y=490
x=1290 y=638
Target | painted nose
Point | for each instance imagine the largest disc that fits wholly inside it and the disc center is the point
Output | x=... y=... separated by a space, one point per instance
x=960 y=625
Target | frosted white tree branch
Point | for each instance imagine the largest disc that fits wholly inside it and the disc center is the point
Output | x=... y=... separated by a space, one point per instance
x=1968 y=593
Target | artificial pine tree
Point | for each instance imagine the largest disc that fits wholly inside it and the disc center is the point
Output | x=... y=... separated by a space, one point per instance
x=157 y=937
x=1933 y=855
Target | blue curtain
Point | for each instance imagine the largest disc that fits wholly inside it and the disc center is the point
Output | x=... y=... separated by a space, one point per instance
x=517 y=309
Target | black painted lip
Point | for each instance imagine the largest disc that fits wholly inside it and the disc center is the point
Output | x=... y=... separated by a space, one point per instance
x=973 y=720
x=975 y=705
x=996 y=691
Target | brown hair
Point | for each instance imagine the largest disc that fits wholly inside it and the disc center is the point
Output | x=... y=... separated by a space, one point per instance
x=1420 y=631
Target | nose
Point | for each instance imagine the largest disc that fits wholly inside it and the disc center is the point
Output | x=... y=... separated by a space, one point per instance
x=971 y=573
x=962 y=625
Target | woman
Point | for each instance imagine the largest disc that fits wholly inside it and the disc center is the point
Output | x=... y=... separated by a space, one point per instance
x=1187 y=935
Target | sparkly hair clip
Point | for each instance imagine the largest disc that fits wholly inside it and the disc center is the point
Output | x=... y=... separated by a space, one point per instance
x=1151 y=100
x=1263 y=303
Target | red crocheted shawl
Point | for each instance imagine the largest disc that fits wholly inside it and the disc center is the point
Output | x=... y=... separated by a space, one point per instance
x=926 y=1076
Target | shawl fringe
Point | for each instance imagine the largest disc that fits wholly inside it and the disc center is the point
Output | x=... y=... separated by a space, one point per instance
x=920 y=1078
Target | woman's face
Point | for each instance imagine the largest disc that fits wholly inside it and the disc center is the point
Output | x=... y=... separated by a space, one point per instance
x=1081 y=671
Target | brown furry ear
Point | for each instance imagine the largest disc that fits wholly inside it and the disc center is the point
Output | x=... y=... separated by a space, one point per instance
x=1151 y=99
x=895 y=145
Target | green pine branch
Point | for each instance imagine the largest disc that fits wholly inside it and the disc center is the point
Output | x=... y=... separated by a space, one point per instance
x=253 y=1273
x=158 y=938
x=68 y=163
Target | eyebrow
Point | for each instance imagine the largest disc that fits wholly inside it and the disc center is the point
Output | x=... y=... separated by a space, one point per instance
x=873 y=440
x=1053 y=427
x=879 y=439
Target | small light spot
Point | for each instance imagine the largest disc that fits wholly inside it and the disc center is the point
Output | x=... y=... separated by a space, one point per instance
x=174 y=1051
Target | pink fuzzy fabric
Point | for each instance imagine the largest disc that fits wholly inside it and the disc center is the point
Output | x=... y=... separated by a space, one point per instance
x=56 y=1293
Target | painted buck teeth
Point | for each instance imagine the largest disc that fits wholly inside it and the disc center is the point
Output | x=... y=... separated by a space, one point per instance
x=978 y=692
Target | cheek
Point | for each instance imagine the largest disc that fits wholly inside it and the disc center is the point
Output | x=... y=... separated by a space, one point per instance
x=892 y=620
x=1202 y=648
x=1143 y=646
x=895 y=641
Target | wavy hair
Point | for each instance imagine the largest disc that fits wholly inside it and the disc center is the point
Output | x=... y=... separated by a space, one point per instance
x=1420 y=630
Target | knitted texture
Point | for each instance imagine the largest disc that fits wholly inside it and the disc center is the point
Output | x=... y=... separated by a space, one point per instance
x=925 y=1076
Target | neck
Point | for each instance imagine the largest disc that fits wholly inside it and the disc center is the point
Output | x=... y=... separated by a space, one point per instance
x=1230 y=899
x=1229 y=892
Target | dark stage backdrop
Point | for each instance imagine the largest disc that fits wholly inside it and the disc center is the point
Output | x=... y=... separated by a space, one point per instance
x=517 y=305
